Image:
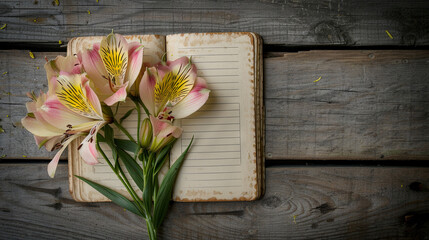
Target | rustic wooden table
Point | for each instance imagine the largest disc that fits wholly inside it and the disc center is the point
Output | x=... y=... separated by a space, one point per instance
x=345 y=155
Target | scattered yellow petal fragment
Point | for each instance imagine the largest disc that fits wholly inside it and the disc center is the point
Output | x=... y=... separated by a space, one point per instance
x=35 y=20
x=3 y=27
x=89 y=12
x=24 y=156
x=37 y=67
x=7 y=116
x=4 y=73
x=402 y=185
x=317 y=79
x=60 y=42
x=388 y=34
x=294 y=218
x=31 y=54
x=57 y=2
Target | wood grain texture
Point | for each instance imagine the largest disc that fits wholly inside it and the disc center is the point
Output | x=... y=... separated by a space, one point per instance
x=19 y=74
x=290 y=23
x=300 y=203
x=366 y=105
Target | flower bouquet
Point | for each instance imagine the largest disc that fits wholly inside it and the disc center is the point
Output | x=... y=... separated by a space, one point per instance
x=84 y=95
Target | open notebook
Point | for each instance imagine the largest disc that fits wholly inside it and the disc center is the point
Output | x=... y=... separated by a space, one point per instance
x=226 y=161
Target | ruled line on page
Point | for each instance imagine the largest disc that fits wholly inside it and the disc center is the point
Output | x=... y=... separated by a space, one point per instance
x=210 y=155
x=200 y=128
x=211 y=178
x=205 y=47
x=225 y=165
x=212 y=141
x=199 y=62
x=215 y=148
x=199 y=183
x=219 y=186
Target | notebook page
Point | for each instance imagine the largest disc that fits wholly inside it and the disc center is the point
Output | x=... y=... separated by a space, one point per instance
x=221 y=164
x=154 y=48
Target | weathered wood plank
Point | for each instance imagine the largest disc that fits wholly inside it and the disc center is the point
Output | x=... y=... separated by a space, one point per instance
x=300 y=203
x=291 y=23
x=366 y=105
x=19 y=74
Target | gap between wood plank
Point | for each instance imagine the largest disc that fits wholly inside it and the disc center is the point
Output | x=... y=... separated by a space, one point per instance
x=55 y=47
x=281 y=163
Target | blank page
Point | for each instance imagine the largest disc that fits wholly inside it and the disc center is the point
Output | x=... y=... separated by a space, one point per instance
x=221 y=164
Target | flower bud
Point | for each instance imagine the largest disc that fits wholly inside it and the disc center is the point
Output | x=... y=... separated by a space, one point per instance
x=146 y=133
x=163 y=133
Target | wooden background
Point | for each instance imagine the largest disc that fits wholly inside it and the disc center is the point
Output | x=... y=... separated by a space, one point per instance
x=345 y=155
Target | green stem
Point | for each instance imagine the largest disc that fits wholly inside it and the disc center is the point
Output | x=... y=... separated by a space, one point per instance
x=137 y=100
x=130 y=190
x=118 y=125
x=138 y=122
x=144 y=107
x=117 y=108
x=151 y=229
x=149 y=162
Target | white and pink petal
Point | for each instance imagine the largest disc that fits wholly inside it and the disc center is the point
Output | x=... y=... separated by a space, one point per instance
x=59 y=116
x=118 y=96
x=135 y=61
x=147 y=88
x=40 y=128
x=193 y=101
x=87 y=149
x=52 y=166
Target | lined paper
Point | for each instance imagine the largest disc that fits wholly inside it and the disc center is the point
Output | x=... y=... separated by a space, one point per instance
x=217 y=166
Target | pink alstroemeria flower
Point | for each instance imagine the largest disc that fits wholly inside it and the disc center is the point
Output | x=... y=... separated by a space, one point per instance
x=163 y=133
x=172 y=90
x=67 y=111
x=112 y=66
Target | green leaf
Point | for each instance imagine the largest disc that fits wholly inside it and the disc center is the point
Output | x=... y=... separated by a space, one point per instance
x=166 y=188
x=100 y=138
x=126 y=145
x=159 y=166
x=161 y=157
x=134 y=169
x=114 y=196
x=126 y=115
x=108 y=132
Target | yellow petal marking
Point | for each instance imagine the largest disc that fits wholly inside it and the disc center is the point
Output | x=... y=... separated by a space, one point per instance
x=115 y=59
x=173 y=87
x=72 y=96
